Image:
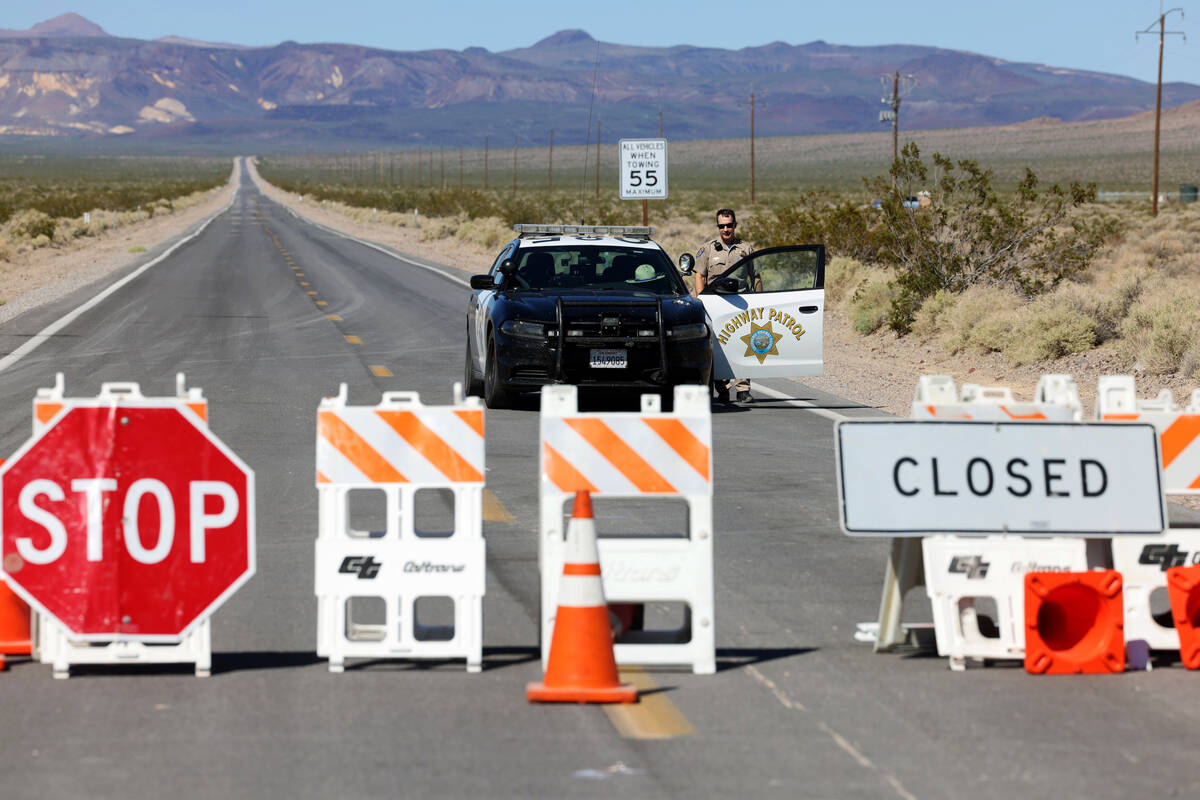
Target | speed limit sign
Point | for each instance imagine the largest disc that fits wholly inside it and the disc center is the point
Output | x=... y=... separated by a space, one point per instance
x=643 y=169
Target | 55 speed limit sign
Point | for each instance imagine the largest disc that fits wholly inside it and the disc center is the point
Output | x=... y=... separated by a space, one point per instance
x=643 y=169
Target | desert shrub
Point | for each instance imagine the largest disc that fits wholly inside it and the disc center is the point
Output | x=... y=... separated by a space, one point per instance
x=1161 y=330
x=930 y=317
x=488 y=233
x=5 y=252
x=971 y=235
x=41 y=240
x=1052 y=327
x=31 y=224
x=870 y=305
x=844 y=227
x=843 y=276
x=981 y=319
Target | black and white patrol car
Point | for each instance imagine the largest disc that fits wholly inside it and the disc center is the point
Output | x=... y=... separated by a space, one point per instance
x=605 y=306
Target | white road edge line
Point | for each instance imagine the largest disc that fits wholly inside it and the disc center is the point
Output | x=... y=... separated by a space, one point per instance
x=41 y=336
x=792 y=401
x=373 y=246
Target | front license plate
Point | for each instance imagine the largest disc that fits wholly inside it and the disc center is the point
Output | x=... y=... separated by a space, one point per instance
x=610 y=359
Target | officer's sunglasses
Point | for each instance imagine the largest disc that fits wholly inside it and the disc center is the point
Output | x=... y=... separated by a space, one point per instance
x=726 y=225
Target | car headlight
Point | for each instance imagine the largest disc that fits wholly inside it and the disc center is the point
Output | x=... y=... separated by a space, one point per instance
x=693 y=330
x=523 y=330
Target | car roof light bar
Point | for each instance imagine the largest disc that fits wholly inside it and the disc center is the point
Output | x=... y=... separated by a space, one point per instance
x=635 y=231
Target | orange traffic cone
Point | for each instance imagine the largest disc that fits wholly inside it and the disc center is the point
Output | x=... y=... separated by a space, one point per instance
x=1183 y=586
x=1074 y=623
x=581 y=667
x=14 y=624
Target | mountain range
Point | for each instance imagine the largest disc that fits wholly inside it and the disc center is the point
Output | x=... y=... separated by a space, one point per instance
x=67 y=77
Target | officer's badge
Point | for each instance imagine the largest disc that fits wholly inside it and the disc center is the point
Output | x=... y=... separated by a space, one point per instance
x=761 y=342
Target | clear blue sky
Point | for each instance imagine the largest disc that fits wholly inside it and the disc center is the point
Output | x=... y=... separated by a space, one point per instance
x=1097 y=35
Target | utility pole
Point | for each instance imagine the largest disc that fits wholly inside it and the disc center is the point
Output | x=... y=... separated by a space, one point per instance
x=597 y=159
x=460 y=168
x=660 y=123
x=514 y=164
x=1162 y=34
x=901 y=85
x=550 y=180
x=485 y=164
x=442 y=158
x=751 y=146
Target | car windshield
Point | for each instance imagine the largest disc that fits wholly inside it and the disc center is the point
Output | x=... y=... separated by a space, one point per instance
x=597 y=268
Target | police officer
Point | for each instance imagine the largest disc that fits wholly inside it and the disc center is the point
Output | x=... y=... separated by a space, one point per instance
x=714 y=257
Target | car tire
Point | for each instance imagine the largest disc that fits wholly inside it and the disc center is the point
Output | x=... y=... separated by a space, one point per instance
x=472 y=383
x=495 y=394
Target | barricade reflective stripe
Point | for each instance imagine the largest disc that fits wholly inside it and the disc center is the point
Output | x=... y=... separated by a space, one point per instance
x=430 y=446
x=627 y=455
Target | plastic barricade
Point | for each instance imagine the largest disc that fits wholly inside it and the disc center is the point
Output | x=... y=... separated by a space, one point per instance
x=977 y=592
x=371 y=584
x=1143 y=561
x=52 y=643
x=1056 y=398
x=634 y=455
x=1178 y=428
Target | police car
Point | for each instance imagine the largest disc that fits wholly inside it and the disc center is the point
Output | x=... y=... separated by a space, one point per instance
x=604 y=306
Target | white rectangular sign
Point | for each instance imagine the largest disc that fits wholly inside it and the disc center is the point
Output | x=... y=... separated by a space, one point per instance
x=643 y=169
x=913 y=478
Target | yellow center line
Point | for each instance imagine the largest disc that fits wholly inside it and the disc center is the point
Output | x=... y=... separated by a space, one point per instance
x=353 y=340
x=380 y=371
x=299 y=274
x=322 y=303
x=653 y=716
x=310 y=292
x=333 y=317
x=304 y=283
x=494 y=510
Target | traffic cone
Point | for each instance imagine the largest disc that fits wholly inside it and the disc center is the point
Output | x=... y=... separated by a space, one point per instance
x=14 y=624
x=1183 y=587
x=581 y=667
x=1074 y=623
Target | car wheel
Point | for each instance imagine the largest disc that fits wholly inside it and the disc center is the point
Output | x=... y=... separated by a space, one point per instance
x=495 y=394
x=472 y=385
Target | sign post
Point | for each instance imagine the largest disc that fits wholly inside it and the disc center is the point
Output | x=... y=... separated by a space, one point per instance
x=643 y=171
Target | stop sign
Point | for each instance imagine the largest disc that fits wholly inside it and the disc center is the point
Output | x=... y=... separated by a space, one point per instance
x=126 y=521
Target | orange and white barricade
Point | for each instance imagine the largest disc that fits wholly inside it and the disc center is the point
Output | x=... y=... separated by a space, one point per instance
x=370 y=583
x=1055 y=398
x=1143 y=561
x=52 y=643
x=1178 y=428
x=635 y=455
x=959 y=593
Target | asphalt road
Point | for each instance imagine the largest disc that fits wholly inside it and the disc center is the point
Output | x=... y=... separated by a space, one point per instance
x=796 y=709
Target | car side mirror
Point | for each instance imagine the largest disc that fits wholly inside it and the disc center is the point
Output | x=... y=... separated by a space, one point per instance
x=482 y=282
x=687 y=262
x=726 y=286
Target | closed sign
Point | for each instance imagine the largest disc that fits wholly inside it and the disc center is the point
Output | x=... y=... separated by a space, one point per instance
x=912 y=478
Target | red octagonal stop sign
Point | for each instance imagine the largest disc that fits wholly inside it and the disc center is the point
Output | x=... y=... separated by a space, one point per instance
x=126 y=521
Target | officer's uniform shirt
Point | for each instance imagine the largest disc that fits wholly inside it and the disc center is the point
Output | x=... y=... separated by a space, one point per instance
x=714 y=257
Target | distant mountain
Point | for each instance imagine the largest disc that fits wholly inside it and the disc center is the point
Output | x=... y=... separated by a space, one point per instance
x=67 y=77
x=62 y=25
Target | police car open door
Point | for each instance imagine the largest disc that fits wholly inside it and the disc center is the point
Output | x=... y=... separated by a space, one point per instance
x=767 y=313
